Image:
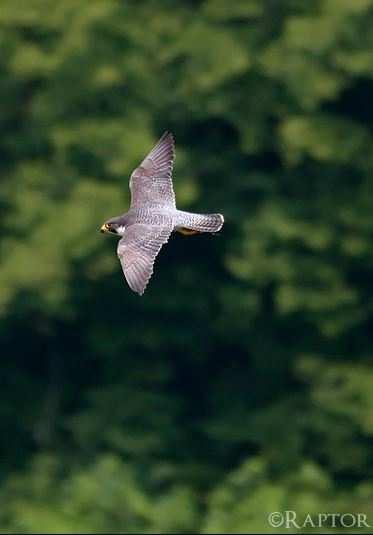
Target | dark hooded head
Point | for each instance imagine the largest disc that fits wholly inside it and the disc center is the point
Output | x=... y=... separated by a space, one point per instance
x=115 y=225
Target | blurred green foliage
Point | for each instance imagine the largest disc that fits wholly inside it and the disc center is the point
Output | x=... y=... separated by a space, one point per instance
x=242 y=382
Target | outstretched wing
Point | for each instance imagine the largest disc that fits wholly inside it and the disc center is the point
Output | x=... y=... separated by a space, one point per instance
x=137 y=251
x=151 y=182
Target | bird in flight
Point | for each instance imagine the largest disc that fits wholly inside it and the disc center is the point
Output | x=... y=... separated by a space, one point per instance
x=153 y=216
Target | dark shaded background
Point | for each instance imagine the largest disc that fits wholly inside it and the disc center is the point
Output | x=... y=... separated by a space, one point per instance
x=242 y=382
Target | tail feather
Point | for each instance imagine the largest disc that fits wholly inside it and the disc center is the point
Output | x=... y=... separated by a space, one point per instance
x=193 y=223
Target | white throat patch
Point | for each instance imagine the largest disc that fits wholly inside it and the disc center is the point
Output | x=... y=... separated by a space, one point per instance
x=121 y=229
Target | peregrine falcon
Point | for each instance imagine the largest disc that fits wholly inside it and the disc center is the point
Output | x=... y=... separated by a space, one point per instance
x=153 y=216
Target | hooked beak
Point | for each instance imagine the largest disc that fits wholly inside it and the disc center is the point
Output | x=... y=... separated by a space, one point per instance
x=105 y=228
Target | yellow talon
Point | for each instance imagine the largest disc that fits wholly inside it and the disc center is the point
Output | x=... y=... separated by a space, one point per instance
x=187 y=231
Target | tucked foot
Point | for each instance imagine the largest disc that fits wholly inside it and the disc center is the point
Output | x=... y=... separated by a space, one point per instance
x=188 y=231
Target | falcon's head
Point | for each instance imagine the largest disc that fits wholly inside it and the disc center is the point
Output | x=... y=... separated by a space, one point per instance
x=113 y=227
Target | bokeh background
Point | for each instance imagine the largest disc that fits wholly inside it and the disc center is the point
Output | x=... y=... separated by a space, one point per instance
x=242 y=381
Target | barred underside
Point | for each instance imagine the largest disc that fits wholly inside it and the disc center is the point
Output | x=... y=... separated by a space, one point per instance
x=200 y=222
x=137 y=251
x=151 y=182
